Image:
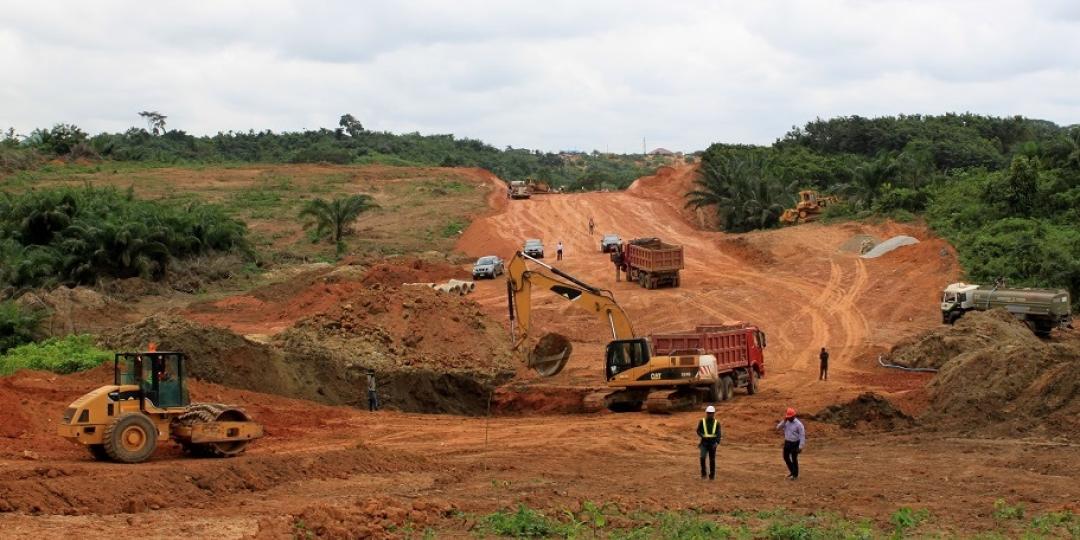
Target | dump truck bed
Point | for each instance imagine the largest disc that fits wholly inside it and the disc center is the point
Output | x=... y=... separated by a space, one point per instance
x=654 y=256
x=734 y=346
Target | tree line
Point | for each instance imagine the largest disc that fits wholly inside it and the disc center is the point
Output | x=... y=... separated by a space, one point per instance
x=1004 y=191
x=348 y=143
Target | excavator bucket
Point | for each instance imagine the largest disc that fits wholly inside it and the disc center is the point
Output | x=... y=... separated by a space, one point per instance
x=549 y=356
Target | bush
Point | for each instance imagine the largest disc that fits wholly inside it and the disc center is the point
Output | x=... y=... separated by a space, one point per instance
x=58 y=355
x=77 y=236
x=17 y=325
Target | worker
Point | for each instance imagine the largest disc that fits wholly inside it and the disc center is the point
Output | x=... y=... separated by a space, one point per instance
x=372 y=396
x=617 y=259
x=592 y=226
x=823 y=375
x=794 y=441
x=558 y=251
x=708 y=430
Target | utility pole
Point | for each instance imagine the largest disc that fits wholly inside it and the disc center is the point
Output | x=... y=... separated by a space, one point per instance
x=643 y=146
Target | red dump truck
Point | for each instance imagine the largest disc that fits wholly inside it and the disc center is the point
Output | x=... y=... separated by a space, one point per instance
x=653 y=263
x=738 y=348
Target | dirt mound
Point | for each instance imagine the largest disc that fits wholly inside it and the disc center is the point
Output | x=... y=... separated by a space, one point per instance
x=869 y=410
x=214 y=354
x=394 y=273
x=975 y=330
x=996 y=377
x=14 y=422
x=430 y=351
x=860 y=243
x=376 y=517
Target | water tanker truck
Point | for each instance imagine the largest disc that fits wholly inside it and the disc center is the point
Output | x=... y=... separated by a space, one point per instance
x=1040 y=309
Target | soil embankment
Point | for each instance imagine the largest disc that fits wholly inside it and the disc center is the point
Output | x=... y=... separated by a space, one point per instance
x=996 y=377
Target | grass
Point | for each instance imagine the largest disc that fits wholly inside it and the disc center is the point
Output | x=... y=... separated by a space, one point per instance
x=59 y=355
x=594 y=520
x=423 y=209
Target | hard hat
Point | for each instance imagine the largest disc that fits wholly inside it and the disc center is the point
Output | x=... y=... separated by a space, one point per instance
x=710 y=409
x=790 y=413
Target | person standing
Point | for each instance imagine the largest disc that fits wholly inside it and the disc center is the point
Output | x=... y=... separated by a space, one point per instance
x=824 y=357
x=558 y=251
x=372 y=395
x=794 y=441
x=708 y=431
x=592 y=226
x=617 y=259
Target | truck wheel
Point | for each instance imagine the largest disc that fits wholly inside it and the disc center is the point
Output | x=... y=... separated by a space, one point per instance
x=751 y=383
x=715 y=392
x=727 y=388
x=131 y=438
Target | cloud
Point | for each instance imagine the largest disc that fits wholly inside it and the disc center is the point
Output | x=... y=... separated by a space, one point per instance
x=548 y=75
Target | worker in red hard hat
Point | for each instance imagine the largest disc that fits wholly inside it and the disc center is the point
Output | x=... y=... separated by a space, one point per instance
x=794 y=441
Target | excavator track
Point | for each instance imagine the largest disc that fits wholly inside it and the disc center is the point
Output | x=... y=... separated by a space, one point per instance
x=211 y=412
x=670 y=401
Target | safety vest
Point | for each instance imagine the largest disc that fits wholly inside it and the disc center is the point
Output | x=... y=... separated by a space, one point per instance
x=705 y=428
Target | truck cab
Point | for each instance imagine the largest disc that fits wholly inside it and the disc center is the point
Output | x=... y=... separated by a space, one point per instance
x=957 y=298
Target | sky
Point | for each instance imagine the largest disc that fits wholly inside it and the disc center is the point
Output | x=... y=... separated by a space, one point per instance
x=604 y=75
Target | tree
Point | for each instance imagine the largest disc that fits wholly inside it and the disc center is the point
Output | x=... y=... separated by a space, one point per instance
x=351 y=125
x=155 y=121
x=745 y=190
x=335 y=218
x=1021 y=186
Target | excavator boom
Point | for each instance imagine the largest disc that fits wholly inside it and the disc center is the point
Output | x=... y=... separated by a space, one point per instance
x=553 y=350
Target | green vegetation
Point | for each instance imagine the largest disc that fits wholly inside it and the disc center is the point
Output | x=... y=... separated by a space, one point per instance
x=1004 y=191
x=608 y=521
x=335 y=218
x=17 y=325
x=59 y=355
x=349 y=143
x=78 y=236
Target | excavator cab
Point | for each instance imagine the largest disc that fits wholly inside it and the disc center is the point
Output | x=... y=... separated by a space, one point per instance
x=159 y=376
x=624 y=354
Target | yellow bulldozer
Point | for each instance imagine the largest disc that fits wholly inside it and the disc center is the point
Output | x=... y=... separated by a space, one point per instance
x=810 y=205
x=149 y=400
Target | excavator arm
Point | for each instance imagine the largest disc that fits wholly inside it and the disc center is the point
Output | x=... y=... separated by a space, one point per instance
x=553 y=350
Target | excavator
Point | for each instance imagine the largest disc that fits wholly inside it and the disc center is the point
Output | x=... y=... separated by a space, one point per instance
x=636 y=377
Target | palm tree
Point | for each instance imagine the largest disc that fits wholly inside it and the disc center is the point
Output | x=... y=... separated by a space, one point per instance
x=745 y=190
x=335 y=217
x=869 y=179
x=155 y=121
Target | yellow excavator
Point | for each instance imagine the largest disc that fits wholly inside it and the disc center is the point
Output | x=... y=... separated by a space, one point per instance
x=149 y=400
x=637 y=378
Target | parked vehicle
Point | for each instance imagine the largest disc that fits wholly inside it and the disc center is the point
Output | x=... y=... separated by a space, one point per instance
x=534 y=248
x=738 y=349
x=1040 y=309
x=490 y=266
x=653 y=263
x=609 y=243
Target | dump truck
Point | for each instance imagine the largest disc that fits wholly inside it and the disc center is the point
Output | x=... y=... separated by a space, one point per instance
x=148 y=400
x=519 y=190
x=652 y=263
x=738 y=349
x=1040 y=309
x=810 y=205
x=662 y=372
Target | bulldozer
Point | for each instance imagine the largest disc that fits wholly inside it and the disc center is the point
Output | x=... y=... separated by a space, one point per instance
x=148 y=401
x=810 y=205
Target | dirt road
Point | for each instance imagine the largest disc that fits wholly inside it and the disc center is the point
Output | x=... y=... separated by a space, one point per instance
x=387 y=473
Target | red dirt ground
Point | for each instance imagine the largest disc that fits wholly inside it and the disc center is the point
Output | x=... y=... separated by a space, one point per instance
x=795 y=283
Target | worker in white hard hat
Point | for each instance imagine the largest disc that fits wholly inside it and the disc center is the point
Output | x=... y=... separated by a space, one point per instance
x=708 y=430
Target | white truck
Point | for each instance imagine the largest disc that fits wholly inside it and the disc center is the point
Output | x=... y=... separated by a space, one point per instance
x=1040 y=309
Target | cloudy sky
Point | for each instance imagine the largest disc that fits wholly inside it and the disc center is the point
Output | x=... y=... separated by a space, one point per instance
x=539 y=74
